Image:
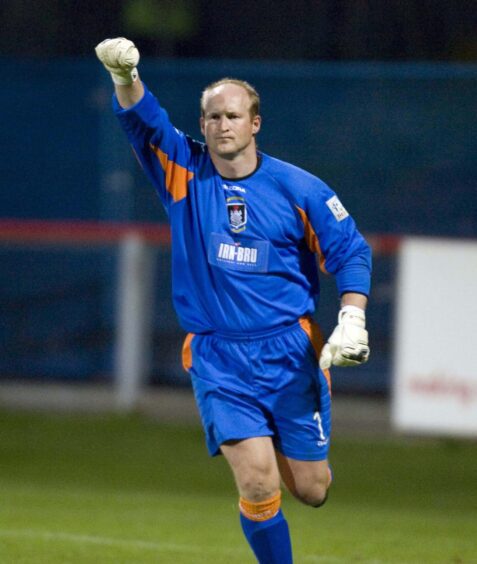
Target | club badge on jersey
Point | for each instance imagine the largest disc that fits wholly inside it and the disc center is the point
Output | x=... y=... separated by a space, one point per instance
x=237 y=212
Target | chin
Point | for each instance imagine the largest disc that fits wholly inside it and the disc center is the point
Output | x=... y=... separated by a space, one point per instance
x=226 y=152
x=225 y=148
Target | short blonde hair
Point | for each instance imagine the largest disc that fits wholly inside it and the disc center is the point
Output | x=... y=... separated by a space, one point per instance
x=252 y=93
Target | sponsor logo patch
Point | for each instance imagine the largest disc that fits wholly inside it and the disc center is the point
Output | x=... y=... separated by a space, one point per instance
x=237 y=211
x=237 y=253
x=337 y=208
x=245 y=255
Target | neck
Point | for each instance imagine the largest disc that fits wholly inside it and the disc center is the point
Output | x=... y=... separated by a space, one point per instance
x=241 y=165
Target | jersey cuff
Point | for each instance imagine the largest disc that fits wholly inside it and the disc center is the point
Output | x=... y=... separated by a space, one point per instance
x=354 y=279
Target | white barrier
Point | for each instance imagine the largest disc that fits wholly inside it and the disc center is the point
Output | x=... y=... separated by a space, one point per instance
x=134 y=313
x=435 y=359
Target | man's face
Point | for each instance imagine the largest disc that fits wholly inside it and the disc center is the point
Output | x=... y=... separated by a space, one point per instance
x=226 y=124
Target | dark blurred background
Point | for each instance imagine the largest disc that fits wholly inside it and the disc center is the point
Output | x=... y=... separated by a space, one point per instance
x=331 y=30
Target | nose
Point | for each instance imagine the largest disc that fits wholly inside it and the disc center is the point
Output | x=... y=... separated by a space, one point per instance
x=224 y=123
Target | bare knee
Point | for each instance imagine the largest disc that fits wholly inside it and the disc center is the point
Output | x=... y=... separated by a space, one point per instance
x=307 y=481
x=258 y=483
x=314 y=495
x=254 y=467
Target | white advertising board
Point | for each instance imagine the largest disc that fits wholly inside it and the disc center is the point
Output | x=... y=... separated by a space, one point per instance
x=435 y=352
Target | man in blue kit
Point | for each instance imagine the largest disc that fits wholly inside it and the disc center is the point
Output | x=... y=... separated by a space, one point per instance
x=247 y=233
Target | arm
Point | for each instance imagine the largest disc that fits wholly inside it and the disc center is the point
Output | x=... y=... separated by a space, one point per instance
x=163 y=151
x=129 y=95
x=348 y=344
x=346 y=255
x=353 y=299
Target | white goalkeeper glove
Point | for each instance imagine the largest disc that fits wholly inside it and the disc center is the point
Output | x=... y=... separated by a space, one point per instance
x=120 y=57
x=348 y=344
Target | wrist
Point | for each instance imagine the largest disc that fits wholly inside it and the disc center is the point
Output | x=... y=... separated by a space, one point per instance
x=352 y=309
x=352 y=314
x=124 y=77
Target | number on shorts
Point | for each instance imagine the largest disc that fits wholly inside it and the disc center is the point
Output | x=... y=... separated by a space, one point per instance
x=317 y=418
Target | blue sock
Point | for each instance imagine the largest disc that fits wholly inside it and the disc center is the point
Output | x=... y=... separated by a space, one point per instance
x=270 y=540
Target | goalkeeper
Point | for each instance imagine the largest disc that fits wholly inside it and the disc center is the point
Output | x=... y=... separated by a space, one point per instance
x=248 y=234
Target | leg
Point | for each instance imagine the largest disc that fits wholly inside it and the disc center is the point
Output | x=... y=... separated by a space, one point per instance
x=255 y=469
x=307 y=480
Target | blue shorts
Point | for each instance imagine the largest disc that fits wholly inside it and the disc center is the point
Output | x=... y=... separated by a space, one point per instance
x=270 y=385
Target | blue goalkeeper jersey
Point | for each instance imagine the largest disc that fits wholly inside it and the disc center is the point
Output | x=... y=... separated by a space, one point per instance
x=245 y=251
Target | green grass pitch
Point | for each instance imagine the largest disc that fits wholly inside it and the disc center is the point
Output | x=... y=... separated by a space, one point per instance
x=113 y=489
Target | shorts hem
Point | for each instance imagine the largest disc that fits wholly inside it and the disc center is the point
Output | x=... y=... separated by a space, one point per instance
x=214 y=450
x=305 y=456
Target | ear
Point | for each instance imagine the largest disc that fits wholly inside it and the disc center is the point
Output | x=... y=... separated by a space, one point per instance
x=202 y=125
x=256 y=123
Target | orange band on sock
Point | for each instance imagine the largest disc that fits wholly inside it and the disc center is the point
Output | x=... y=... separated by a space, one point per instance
x=261 y=510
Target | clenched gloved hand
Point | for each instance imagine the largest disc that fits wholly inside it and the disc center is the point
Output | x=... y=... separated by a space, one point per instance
x=348 y=344
x=120 y=57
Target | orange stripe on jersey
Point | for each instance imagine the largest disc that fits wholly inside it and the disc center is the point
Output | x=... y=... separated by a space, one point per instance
x=261 y=510
x=327 y=375
x=187 y=352
x=177 y=176
x=311 y=239
x=312 y=329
